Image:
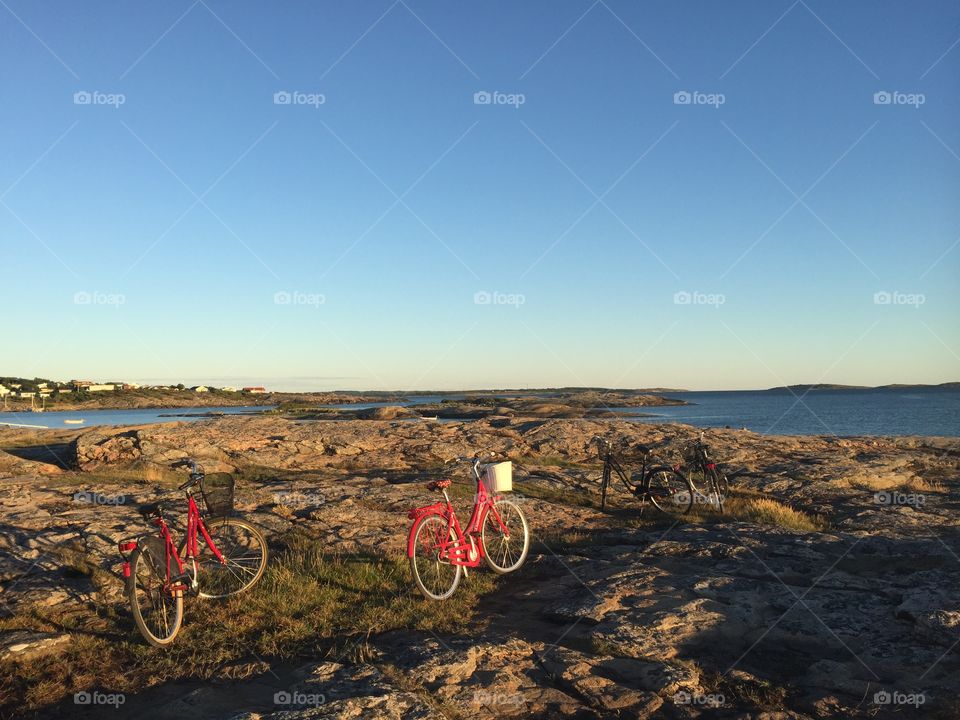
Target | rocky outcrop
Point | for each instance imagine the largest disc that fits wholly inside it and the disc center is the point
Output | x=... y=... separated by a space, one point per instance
x=610 y=616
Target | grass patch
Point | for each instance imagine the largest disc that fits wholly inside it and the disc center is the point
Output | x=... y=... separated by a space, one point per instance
x=310 y=603
x=767 y=511
x=746 y=690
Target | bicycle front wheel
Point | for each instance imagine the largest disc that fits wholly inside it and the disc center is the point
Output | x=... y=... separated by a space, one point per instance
x=157 y=611
x=434 y=574
x=669 y=491
x=244 y=552
x=707 y=487
x=505 y=542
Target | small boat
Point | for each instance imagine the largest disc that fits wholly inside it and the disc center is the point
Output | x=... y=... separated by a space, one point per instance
x=74 y=422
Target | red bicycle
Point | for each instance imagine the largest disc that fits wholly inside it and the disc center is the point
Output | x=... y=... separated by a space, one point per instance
x=159 y=574
x=440 y=549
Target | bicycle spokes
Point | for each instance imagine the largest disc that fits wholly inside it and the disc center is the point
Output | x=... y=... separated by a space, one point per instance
x=243 y=553
x=157 y=605
x=505 y=537
x=433 y=569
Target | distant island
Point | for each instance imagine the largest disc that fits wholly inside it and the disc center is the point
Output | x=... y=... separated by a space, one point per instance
x=39 y=395
x=896 y=386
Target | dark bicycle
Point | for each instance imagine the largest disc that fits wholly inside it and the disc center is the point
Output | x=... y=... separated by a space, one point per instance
x=668 y=490
x=709 y=482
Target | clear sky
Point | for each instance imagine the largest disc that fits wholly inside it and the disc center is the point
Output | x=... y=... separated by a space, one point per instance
x=434 y=195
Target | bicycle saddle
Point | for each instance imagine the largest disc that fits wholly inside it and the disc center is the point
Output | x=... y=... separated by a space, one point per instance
x=149 y=510
x=439 y=484
x=641 y=449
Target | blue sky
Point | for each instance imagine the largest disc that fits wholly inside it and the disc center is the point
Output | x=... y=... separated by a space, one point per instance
x=387 y=228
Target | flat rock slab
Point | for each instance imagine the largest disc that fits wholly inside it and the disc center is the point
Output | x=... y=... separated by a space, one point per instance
x=23 y=645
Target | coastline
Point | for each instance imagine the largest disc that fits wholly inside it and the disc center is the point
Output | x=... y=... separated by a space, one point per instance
x=339 y=492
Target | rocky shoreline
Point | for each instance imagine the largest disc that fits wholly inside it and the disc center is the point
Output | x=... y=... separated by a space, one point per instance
x=852 y=613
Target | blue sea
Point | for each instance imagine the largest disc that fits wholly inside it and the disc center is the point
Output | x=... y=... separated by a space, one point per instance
x=818 y=412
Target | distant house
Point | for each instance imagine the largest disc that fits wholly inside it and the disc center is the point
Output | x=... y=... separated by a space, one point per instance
x=81 y=384
x=200 y=388
x=25 y=394
x=4 y=390
x=42 y=386
x=99 y=388
x=229 y=389
x=130 y=386
x=255 y=390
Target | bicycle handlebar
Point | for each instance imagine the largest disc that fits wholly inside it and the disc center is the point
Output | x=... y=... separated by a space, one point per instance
x=475 y=459
x=196 y=472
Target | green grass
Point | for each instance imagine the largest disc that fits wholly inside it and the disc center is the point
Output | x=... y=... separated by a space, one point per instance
x=310 y=603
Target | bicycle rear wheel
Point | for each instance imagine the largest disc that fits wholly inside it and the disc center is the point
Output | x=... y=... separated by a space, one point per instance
x=434 y=575
x=669 y=491
x=244 y=551
x=157 y=611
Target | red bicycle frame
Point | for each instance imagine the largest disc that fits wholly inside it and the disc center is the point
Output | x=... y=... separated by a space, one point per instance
x=464 y=550
x=192 y=549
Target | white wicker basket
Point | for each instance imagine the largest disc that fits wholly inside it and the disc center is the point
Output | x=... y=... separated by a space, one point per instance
x=498 y=477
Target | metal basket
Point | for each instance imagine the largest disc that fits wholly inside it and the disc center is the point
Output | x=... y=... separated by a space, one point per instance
x=217 y=491
x=694 y=453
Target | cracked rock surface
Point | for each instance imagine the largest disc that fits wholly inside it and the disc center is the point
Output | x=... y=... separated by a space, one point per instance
x=727 y=618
